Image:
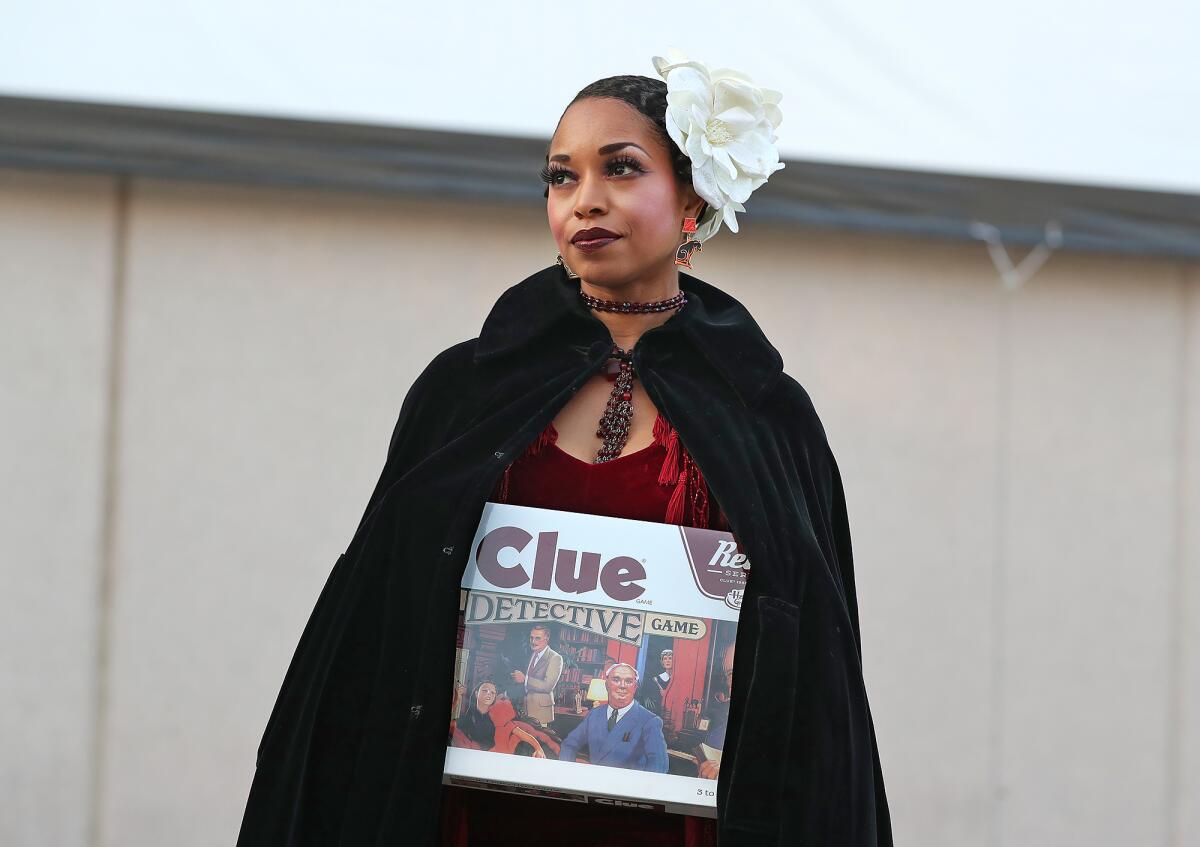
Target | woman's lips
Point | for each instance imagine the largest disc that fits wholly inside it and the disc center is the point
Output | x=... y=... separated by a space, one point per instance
x=590 y=245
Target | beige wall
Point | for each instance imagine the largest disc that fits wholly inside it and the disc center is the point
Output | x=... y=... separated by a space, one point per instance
x=192 y=422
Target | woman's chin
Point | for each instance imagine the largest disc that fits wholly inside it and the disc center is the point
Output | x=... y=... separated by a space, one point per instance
x=605 y=274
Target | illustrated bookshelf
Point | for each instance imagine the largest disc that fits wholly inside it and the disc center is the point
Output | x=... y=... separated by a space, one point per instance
x=586 y=651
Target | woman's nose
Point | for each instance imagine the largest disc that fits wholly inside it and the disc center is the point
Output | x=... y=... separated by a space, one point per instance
x=590 y=197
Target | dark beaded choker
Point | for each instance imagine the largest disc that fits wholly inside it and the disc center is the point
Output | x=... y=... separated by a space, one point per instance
x=673 y=302
x=618 y=413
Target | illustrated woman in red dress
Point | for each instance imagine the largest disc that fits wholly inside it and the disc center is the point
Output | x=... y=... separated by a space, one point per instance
x=490 y=722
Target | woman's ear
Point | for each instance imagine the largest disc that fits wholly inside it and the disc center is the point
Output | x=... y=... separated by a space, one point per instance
x=695 y=205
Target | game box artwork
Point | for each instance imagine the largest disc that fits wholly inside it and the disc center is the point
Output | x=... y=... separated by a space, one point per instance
x=595 y=659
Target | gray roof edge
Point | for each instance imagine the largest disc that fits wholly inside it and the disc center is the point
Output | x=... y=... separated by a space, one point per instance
x=95 y=137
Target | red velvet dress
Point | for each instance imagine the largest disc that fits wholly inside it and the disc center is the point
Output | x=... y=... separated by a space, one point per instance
x=657 y=483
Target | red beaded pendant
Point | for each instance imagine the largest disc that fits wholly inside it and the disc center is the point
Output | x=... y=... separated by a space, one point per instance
x=618 y=413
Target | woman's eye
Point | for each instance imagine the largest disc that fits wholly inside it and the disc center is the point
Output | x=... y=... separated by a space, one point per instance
x=550 y=175
x=626 y=162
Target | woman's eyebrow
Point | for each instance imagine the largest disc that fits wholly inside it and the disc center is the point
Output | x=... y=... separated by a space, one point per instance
x=607 y=148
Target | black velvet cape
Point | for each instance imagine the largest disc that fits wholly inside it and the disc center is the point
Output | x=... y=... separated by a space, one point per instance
x=353 y=750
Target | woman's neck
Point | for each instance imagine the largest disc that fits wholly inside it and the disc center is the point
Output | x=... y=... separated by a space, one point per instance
x=627 y=327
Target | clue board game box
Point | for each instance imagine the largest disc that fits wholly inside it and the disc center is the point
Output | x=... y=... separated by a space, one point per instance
x=595 y=659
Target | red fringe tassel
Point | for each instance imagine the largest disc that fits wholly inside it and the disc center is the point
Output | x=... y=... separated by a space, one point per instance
x=547 y=436
x=689 y=500
x=666 y=435
x=501 y=493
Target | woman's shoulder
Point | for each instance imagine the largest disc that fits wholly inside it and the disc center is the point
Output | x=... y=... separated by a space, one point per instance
x=453 y=360
x=446 y=374
x=790 y=408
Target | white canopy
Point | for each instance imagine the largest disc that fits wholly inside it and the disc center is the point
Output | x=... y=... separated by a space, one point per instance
x=1095 y=93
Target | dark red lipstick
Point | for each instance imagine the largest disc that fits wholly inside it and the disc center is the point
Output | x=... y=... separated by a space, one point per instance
x=593 y=238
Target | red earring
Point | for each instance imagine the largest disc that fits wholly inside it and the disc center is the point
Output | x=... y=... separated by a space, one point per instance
x=683 y=256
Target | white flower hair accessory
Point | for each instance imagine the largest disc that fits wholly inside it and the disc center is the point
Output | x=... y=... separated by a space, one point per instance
x=725 y=124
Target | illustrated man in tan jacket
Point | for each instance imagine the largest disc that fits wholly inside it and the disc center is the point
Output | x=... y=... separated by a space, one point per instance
x=540 y=676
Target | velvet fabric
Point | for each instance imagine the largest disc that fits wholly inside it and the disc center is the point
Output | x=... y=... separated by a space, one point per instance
x=658 y=482
x=353 y=749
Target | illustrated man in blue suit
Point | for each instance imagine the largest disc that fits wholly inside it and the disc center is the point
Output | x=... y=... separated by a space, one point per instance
x=623 y=734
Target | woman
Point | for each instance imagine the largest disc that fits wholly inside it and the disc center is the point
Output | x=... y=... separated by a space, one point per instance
x=490 y=723
x=698 y=424
x=474 y=726
x=657 y=685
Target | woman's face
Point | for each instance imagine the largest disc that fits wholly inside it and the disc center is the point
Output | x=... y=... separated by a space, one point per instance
x=608 y=168
x=485 y=696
